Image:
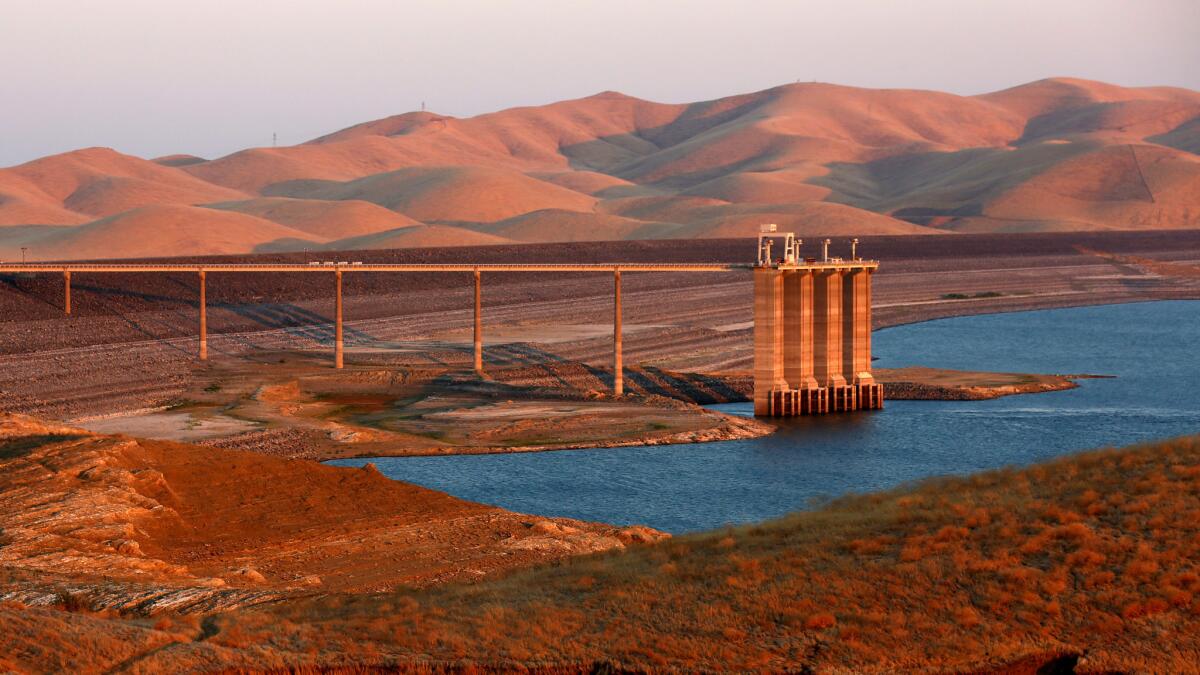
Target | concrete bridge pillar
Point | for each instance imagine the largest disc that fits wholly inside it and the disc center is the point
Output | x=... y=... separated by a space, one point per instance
x=618 y=366
x=67 y=292
x=798 y=329
x=478 y=323
x=768 y=338
x=337 y=339
x=827 y=328
x=856 y=328
x=203 y=318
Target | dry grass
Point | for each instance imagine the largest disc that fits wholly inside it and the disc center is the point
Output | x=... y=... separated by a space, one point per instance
x=1095 y=555
x=1093 y=558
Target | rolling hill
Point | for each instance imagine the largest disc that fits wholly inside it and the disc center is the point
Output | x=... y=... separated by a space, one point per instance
x=149 y=231
x=76 y=187
x=454 y=193
x=820 y=159
x=320 y=218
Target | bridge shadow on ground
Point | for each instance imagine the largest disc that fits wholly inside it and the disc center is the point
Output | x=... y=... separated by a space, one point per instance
x=526 y=364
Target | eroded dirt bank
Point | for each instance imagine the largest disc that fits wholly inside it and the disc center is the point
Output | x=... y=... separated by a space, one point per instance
x=124 y=523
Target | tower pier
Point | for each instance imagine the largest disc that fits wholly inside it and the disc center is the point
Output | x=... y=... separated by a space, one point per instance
x=812 y=332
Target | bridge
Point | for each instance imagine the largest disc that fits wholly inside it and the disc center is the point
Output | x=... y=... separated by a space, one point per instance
x=784 y=330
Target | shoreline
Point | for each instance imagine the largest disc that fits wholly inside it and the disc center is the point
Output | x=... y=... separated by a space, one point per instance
x=1103 y=302
x=735 y=428
x=922 y=384
x=909 y=383
x=485 y=414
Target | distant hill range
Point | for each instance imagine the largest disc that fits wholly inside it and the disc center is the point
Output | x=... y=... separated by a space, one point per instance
x=1057 y=154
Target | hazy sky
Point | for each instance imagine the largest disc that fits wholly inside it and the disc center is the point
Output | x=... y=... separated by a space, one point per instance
x=207 y=77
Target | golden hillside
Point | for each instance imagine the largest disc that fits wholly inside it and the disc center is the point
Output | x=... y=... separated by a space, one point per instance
x=1057 y=154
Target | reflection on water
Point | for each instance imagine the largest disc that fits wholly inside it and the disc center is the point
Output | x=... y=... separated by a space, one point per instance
x=1149 y=347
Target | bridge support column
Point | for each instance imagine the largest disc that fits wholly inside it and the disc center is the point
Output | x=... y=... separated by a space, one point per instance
x=798 y=330
x=478 y=323
x=827 y=335
x=67 y=293
x=856 y=314
x=337 y=338
x=618 y=366
x=856 y=327
x=203 y=319
x=768 y=340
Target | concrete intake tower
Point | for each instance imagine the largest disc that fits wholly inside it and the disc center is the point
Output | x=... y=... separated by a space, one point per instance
x=812 y=331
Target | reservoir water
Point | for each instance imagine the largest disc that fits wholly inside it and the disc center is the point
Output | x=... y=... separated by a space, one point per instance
x=1151 y=348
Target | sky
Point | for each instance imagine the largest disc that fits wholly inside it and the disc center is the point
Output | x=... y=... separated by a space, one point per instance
x=209 y=77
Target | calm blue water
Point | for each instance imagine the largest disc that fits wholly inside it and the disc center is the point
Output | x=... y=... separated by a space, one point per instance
x=1150 y=347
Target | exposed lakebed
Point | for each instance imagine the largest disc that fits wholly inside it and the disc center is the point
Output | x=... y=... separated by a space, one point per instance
x=1149 y=347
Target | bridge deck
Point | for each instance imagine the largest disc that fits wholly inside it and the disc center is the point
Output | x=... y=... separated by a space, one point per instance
x=16 y=268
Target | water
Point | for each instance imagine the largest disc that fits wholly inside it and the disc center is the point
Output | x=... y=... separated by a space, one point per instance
x=1150 y=347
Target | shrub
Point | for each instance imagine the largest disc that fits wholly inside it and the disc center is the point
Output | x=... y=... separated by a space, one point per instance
x=820 y=622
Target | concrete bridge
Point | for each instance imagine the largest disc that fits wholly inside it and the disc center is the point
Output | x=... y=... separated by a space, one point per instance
x=774 y=343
